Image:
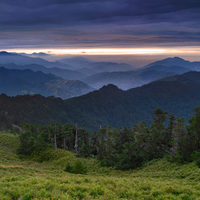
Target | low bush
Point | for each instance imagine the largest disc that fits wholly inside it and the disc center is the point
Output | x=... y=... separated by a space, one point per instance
x=78 y=168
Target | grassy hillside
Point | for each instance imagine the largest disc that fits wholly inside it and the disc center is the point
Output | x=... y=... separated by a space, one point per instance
x=30 y=179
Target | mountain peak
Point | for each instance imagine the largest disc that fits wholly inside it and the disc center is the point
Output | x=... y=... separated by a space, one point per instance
x=110 y=88
x=178 y=58
x=5 y=53
x=171 y=61
x=175 y=59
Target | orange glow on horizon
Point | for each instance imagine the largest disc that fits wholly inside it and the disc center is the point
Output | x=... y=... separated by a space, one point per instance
x=110 y=51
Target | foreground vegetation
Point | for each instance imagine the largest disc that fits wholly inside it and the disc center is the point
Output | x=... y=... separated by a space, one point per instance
x=124 y=149
x=29 y=178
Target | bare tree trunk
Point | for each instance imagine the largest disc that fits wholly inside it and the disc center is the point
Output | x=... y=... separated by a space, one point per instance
x=64 y=145
x=76 y=140
x=55 y=141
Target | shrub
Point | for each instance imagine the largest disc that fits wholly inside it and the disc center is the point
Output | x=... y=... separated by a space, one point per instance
x=78 y=168
x=69 y=168
x=196 y=157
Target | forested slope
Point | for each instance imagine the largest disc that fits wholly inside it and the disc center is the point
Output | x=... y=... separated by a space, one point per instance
x=107 y=106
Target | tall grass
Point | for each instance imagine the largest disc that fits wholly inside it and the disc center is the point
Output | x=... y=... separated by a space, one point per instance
x=42 y=176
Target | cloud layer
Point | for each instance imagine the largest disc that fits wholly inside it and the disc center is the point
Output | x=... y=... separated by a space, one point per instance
x=105 y=23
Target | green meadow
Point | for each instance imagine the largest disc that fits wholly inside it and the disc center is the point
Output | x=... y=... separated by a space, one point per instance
x=42 y=176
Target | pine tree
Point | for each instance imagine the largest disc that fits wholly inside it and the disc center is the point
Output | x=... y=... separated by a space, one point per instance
x=157 y=144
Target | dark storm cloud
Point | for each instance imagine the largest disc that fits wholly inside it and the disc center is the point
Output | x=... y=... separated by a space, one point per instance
x=68 y=22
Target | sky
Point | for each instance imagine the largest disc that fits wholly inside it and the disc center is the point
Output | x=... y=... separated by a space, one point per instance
x=122 y=30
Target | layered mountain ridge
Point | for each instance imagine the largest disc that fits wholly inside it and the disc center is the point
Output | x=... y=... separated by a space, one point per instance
x=177 y=95
x=19 y=82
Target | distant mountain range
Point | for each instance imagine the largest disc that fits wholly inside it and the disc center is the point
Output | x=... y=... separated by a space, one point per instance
x=97 y=74
x=19 y=59
x=63 y=73
x=174 y=62
x=125 y=80
x=18 y=82
x=170 y=69
x=178 y=94
x=154 y=71
x=97 y=67
x=77 y=62
x=75 y=68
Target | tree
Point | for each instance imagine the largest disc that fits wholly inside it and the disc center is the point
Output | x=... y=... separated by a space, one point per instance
x=179 y=144
x=170 y=128
x=141 y=137
x=194 y=129
x=158 y=134
x=76 y=141
x=84 y=142
x=68 y=134
x=101 y=135
x=30 y=142
x=193 y=138
x=110 y=156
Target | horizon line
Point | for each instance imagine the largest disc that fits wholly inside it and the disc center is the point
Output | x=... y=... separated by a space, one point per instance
x=107 y=51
